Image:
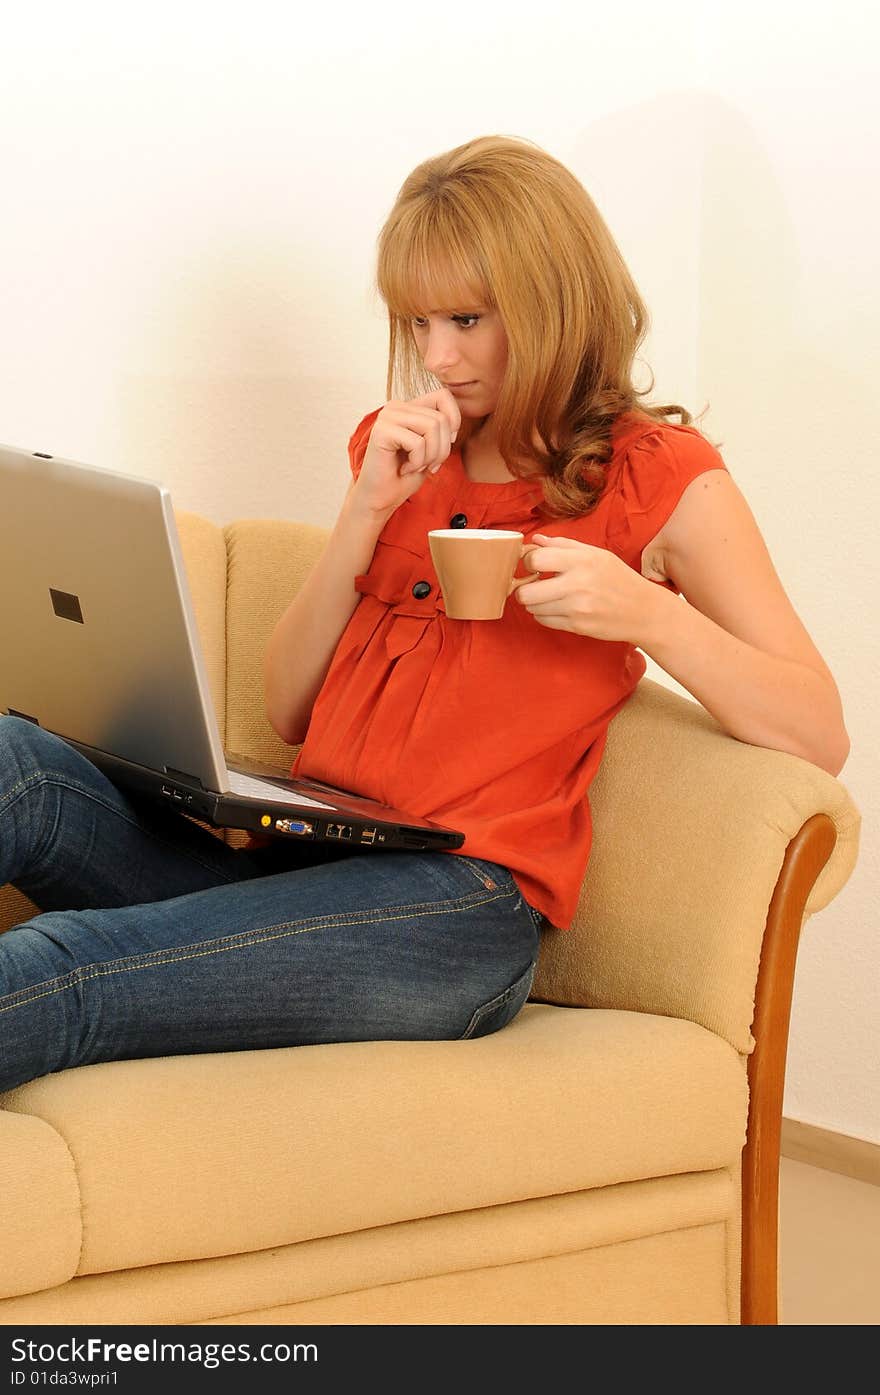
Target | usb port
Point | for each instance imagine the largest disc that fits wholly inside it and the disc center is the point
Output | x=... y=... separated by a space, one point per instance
x=368 y=835
x=177 y=794
x=339 y=830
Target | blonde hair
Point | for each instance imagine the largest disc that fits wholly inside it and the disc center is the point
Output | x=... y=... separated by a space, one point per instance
x=504 y=224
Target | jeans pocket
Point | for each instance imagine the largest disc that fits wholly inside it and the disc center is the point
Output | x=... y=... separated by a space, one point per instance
x=500 y=1010
x=490 y=875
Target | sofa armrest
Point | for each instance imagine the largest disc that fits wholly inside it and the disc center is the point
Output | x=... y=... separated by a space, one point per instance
x=691 y=828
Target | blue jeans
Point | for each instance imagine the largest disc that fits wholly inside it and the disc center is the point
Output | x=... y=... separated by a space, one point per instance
x=158 y=939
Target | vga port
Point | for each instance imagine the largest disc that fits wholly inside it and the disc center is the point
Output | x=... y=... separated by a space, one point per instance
x=299 y=826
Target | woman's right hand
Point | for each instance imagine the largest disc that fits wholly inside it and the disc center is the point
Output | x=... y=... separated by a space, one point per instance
x=409 y=441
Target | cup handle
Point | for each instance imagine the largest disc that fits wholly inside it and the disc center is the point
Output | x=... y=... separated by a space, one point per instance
x=517 y=581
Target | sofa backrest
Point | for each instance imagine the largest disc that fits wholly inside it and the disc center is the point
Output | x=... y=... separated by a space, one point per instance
x=690 y=826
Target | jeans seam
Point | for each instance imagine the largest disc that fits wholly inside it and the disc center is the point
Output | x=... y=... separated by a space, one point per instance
x=64 y=781
x=498 y=1002
x=482 y=877
x=243 y=940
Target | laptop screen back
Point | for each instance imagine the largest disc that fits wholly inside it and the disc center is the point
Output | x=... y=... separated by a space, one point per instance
x=98 y=638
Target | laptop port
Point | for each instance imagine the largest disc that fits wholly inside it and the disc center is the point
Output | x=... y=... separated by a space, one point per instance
x=300 y=826
x=339 y=830
x=368 y=835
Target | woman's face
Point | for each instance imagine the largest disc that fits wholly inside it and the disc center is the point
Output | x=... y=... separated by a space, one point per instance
x=466 y=348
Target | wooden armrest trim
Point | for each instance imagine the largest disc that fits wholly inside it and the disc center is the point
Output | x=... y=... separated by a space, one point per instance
x=806 y=855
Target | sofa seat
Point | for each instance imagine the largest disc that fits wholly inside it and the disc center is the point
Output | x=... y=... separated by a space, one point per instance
x=136 y=1165
x=660 y=1251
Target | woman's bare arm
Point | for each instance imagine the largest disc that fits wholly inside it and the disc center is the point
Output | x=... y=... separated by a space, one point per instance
x=303 y=642
x=736 y=642
x=732 y=638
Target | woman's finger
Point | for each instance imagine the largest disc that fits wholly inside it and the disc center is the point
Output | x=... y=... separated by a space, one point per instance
x=442 y=401
x=433 y=426
x=562 y=542
x=554 y=621
x=551 y=559
x=415 y=446
x=550 y=589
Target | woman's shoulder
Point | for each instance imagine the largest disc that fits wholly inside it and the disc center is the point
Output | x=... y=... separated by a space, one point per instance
x=653 y=458
x=637 y=437
x=653 y=461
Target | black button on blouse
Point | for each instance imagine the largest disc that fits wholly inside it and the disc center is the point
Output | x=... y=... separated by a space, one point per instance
x=458 y=520
x=421 y=590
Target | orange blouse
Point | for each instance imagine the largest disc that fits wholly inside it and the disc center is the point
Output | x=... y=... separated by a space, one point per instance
x=493 y=727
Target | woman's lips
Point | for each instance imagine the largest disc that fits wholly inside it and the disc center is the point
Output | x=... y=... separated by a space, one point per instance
x=460 y=387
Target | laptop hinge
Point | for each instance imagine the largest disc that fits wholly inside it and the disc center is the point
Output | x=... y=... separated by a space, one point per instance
x=183 y=776
x=26 y=716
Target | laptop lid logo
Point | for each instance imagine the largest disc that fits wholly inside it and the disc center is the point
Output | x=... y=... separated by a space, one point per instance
x=66 y=606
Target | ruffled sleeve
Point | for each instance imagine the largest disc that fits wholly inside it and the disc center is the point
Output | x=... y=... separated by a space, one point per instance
x=357 y=445
x=654 y=472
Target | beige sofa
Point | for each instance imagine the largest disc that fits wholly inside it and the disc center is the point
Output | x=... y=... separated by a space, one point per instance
x=584 y=1165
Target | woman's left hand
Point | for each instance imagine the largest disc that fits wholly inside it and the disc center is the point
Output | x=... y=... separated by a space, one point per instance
x=592 y=592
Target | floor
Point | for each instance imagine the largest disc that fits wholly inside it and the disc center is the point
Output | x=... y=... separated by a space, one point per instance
x=829 y=1233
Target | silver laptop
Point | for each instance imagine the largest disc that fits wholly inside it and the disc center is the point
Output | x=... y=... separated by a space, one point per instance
x=98 y=643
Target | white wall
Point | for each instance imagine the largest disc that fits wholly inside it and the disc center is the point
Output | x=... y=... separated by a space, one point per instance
x=192 y=208
x=190 y=201
x=788 y=356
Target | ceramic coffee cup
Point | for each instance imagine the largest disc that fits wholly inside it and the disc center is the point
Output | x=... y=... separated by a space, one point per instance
x=475 y=569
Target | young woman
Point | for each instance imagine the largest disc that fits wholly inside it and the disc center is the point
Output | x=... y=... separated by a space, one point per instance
x=514 y=326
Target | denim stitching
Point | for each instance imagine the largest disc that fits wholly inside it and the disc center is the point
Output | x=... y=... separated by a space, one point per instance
x=244 y=940
x=53 y=777
x=482 y=877
x=537 y=917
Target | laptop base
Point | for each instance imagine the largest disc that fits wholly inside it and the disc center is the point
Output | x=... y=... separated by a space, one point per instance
x=281 y=820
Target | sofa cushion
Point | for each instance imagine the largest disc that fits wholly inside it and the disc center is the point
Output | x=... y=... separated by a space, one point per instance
x=194 y=1156
x=381 y=1259
x=40 y=1213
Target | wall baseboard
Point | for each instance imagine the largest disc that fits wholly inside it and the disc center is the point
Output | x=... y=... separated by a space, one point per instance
x=836 y=1152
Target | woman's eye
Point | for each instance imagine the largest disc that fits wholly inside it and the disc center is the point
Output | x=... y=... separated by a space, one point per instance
x=463 y=321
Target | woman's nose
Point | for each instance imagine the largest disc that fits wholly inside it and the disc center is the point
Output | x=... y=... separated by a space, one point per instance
x=440 y=352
